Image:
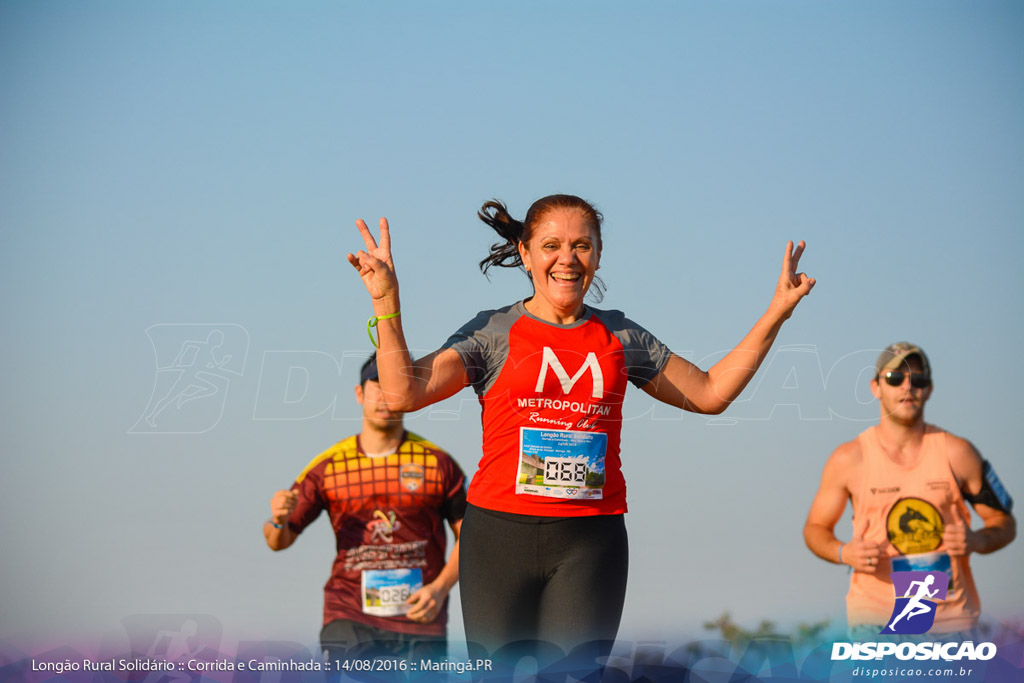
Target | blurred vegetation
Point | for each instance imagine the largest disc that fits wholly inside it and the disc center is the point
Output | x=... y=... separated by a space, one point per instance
x=805 y=634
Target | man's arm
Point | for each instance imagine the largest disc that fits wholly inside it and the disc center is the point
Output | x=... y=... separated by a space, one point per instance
x=427 y=602
x=827 y=508
x=281 y=505
x=999 y=525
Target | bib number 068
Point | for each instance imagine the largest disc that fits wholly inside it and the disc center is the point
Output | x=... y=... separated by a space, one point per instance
x=565 y=471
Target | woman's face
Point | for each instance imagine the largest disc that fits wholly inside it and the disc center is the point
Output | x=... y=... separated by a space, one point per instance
x=562 y=257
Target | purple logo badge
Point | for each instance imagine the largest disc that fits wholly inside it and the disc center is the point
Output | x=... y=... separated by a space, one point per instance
x=916 y=593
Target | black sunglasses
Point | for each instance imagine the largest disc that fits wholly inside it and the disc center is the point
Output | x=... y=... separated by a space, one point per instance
x=918 y=380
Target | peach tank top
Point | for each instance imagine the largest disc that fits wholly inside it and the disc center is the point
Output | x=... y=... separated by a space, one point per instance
x=907 y=509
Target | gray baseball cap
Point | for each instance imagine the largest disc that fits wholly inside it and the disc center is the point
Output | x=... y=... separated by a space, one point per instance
x=893 y=356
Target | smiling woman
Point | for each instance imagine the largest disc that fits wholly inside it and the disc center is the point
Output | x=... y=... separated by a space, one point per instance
x=544 y=553
x=560 y=239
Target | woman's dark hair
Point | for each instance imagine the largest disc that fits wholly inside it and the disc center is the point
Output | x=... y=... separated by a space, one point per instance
x=505 y=254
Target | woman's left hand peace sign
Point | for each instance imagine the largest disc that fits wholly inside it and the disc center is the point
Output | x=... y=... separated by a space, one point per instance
x=793 y=286
x=374 y=264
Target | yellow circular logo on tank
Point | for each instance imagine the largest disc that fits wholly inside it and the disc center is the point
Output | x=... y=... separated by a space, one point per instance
x=914 y=526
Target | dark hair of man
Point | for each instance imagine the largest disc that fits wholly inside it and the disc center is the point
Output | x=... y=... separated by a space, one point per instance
x=363 y=377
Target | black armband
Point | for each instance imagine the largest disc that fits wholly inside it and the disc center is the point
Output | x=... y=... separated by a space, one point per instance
x=992 y=493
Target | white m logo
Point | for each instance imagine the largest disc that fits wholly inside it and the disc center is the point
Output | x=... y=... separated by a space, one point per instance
x=550 y=360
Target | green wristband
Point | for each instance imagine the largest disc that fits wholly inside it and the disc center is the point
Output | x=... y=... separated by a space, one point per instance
x=372 y=322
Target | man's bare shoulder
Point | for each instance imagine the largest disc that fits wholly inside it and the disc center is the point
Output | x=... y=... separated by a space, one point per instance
x=847 y=456
x=959 y=446
x=964 y=458
x=843 y=468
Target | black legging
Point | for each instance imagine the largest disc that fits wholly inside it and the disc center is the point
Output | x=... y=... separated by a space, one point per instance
x=560 y=580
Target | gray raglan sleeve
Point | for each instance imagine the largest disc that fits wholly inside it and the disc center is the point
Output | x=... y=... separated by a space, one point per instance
x=645 y=354
x=482 y=344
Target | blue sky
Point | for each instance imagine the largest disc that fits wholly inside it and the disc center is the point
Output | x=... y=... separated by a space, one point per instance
x=171 y=168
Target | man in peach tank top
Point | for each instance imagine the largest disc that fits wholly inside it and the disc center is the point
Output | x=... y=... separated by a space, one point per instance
x=908 y=482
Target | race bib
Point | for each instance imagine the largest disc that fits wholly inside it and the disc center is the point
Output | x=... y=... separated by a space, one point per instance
x=386 y=590
x=561 y=463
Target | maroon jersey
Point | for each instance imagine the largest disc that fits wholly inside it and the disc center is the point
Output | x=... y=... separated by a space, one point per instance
x=552 y=407
x=388 y=514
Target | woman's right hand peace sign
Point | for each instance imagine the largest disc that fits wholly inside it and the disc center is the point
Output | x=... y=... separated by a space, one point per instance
x=374 y=264
x=792 y=286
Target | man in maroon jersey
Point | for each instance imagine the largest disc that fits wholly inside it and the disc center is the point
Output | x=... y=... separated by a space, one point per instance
x=387 y=493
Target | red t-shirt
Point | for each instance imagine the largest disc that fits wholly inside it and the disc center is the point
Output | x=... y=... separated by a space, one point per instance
x=552 y=407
